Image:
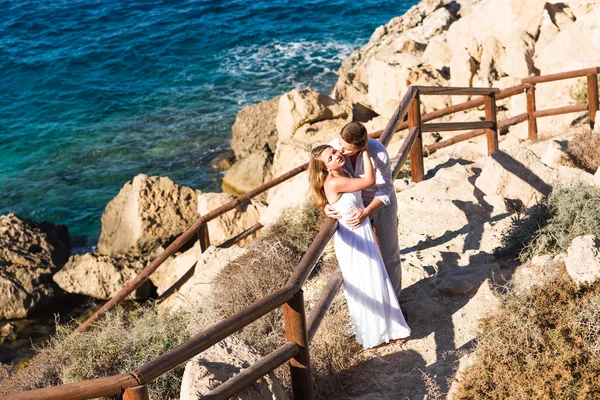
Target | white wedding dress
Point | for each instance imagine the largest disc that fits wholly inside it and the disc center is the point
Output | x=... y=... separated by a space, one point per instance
x=374 y=309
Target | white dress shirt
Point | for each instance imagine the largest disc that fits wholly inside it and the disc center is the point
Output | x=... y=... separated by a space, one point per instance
x=383 y=189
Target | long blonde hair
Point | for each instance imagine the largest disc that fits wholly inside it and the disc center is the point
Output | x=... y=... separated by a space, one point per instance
x=316 y=176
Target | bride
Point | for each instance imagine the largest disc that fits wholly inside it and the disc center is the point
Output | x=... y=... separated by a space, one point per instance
x=374 y=309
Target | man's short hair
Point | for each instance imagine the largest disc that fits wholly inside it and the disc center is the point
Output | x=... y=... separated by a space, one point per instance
x=354 y=133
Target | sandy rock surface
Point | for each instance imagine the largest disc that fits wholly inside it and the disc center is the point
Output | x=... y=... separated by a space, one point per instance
x=583 y=259
x=221 y=362
x=192 y=275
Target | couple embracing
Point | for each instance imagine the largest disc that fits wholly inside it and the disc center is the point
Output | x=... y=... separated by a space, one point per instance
x=351 y=177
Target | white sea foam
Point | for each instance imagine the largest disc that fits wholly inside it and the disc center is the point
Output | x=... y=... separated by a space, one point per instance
x=284 y=65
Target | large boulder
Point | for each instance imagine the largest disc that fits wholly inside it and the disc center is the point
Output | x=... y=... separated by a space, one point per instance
x=248 y=173
x=575 y=53
x=221 y=362
x=254 y=129
x=377 y=75
x=305 y=106
x=505 y=47
x=100 y=276
x=232 y=222
x=147 y=212
x=583 y=260
x=30 y=253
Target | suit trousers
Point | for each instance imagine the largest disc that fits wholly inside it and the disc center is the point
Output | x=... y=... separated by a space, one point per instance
x=385 y=222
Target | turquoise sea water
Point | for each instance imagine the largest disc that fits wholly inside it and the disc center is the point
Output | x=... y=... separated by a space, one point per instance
x=95 y=92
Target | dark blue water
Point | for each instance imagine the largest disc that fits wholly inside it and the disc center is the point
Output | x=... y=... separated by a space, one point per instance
x=96 y=92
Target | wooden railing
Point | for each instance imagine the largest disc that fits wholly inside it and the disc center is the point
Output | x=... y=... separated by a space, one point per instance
x=299 y=331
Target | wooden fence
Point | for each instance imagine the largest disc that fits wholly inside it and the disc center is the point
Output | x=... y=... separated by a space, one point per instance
x=300 y=330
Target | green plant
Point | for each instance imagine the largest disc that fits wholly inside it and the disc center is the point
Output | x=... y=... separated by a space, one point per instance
x=579 y=93
x=551 y=225
x=522 y=230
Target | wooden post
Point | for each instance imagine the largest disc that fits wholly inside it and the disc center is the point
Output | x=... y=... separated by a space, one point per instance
x=136 y=393
x=203 y=237
x=416 y=151
x=531 y=122
x=592 y=84
x=490 y=115
x=295 y=331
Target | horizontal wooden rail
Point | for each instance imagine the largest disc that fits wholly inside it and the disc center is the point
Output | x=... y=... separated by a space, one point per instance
x=329 y=292
x=429 y=149
x=180 y=241
x=310 y=258
x=455 y=91
x=93 y=388
x=561 y=75
x=238 y=238
x=560 y=110
x=430 y=116
x=253 y=373
x=219 y=331
x=458 y=126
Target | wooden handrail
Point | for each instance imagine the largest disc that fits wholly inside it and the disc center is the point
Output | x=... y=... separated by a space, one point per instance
x=430 y=149
x=457 y=126
x=403 y=153
x=455 y=91
x=560 y=110
x=254 y=372
x=219 y=331
x=327 y=295
x=561 y=75
x=310 y=258
x=503 y=94
x=398 y=116
x=90 y=389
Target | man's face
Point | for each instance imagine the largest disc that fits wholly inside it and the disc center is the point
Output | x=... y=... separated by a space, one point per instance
x=348 y=149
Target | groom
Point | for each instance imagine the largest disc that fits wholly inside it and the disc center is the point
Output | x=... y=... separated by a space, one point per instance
x=379 y=200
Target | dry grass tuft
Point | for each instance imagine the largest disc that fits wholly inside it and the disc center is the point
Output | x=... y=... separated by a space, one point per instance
x=540 y=346
x=263 y=268
x=120 y=342
x=584 y=151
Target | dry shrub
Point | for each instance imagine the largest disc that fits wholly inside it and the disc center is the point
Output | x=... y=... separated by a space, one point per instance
x=551 y=225
x=118 y=344
x=584 y=151
x=539 y=346
x=264 y=268
x=334 y=350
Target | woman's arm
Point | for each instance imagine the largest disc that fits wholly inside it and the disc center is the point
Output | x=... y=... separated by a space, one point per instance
x=343 y=184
